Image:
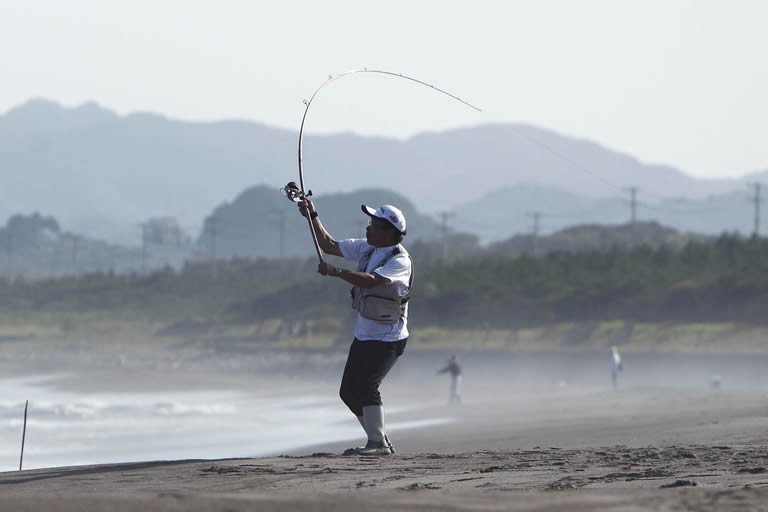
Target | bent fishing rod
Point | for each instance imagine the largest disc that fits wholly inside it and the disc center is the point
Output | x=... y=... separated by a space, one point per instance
x=297 y=193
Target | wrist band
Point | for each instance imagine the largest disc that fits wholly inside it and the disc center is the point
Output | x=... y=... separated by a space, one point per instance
x=313 y=215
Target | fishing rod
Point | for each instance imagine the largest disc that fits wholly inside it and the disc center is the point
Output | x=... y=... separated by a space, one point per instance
x=297 y=193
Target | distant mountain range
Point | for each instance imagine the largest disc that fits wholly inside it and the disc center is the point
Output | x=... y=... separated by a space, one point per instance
x=101 y=175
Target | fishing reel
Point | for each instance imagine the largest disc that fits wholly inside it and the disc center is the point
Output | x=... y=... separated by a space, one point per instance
x=293 y=193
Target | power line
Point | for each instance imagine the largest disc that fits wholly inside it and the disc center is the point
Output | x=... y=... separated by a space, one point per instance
x=495 y=226
x=671 y=210
x=579 y=213
x=481 y=224
x=573 y=164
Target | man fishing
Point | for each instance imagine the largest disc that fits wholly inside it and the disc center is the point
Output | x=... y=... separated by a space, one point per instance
x=381 y=289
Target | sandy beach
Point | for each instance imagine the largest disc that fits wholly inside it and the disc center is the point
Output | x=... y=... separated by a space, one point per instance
x=690 y=452
x=543 y=440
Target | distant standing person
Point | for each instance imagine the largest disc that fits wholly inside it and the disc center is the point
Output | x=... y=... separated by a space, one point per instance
x=453 y=368
x=381 y=290
x=616 y=367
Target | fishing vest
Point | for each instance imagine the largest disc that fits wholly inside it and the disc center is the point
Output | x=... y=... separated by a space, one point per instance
x=381 y=303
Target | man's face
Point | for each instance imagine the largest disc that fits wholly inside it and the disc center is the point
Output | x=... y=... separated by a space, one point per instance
x=380 y=233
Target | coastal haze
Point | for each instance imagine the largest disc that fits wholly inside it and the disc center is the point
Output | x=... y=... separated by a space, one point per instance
x=590 y=248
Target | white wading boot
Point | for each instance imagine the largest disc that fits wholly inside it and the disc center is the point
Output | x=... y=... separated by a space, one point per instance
x=356 y=450
x=386 y=439
x=378 y=443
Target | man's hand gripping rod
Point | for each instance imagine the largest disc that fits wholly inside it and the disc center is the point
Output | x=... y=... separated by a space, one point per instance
x=296 y=195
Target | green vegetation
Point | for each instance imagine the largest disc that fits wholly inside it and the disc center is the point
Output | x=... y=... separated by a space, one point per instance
x=702 y=282
x=726 y=280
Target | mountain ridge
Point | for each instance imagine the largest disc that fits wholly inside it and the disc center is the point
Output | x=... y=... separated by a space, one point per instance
x=103 y=173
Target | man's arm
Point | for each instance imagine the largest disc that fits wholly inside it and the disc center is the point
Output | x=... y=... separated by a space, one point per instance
x=396 y=270
x=327 y=243
x=359 y=279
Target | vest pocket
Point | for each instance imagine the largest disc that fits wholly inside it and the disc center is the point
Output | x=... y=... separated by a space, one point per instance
x=380 y=309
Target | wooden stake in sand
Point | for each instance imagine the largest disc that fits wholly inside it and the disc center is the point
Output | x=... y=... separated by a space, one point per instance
x=23 y=434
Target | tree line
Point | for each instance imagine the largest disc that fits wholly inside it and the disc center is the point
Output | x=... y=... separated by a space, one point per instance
x=719 y=280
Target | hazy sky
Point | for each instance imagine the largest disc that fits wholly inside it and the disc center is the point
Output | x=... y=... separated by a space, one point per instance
x=671 y=81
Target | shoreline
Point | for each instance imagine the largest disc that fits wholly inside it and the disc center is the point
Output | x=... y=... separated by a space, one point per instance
x=538 y=431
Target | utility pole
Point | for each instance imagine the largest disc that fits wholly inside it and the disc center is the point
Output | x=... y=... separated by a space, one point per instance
x=756 y=201
x=281 y=227
x=632 y=204
x=535 y=228
x=75 y=241
x=444 y=216
x=210 y=224
x=10 y=253
x=111 y=255
x=143 y=248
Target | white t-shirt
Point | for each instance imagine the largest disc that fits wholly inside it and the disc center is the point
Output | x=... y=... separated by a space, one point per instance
x=397 y=271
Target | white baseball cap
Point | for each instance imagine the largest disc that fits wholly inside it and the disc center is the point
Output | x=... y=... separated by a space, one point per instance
x=388 y=213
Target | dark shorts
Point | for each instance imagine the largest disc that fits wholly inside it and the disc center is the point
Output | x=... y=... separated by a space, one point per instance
x=368 y=363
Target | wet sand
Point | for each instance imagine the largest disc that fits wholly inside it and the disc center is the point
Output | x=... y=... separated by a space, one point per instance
x=611 y=478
